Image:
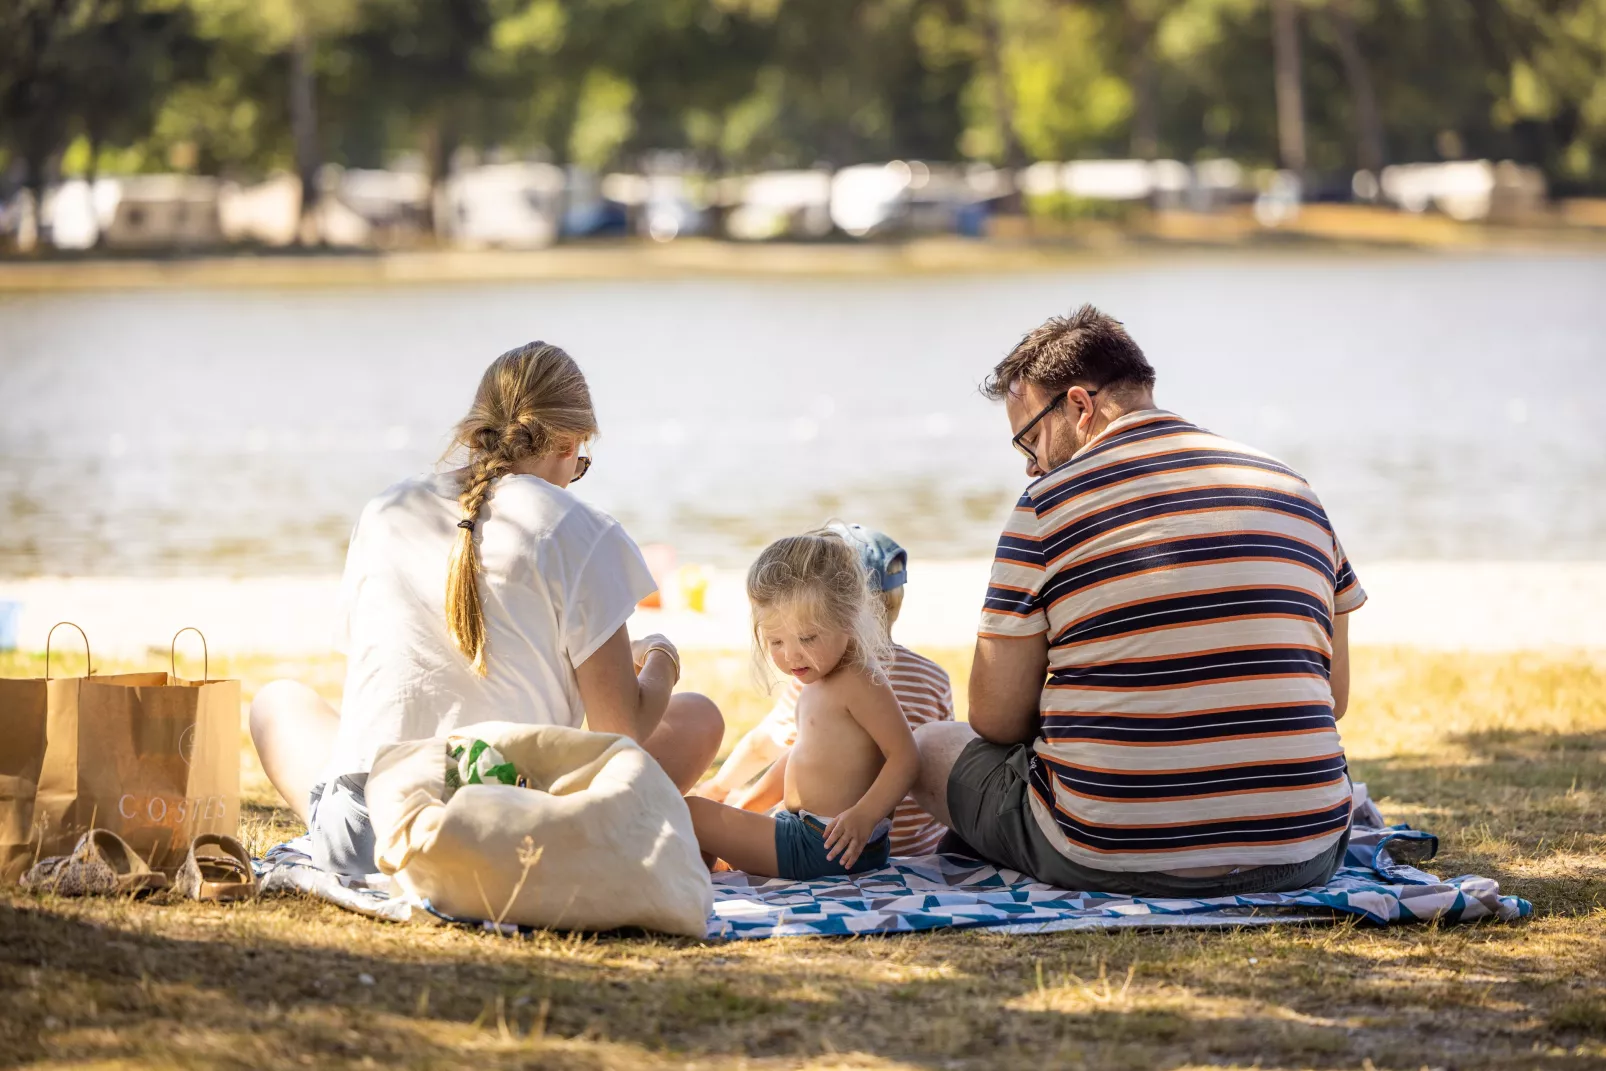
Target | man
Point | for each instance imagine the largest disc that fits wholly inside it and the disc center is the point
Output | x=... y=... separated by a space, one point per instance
x=1162 y=655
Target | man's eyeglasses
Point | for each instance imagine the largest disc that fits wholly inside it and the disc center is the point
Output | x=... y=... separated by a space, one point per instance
x=582 y=464
x=1020 y=438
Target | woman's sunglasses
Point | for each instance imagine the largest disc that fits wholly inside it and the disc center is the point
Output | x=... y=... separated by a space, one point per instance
x=582 y=464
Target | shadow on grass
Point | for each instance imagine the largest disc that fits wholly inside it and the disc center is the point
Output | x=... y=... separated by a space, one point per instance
x=1517 y=799
x=72 y=989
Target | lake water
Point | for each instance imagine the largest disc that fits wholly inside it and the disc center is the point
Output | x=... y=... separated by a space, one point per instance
x=1442 y=407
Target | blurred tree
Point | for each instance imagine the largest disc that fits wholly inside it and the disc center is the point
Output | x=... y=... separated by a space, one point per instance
x=996 y=67
x=430 y=58
x=35 y=77
x=1370 y=153
x=273 y=47
x=1289 y=88
x=1140 y=19
x=243 y=86
x=1062 y=92
x=91 y=69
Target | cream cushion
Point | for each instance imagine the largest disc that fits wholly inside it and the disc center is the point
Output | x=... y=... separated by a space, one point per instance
x=600 y=839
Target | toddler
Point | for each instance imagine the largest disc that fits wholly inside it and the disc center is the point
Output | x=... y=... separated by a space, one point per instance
x=816 y=620
x=922 y=687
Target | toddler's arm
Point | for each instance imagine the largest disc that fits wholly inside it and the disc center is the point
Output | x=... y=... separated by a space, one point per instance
x=873 y=705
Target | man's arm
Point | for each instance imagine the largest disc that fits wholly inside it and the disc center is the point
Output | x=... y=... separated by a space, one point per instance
x=1006 y=687
x=1340 y=667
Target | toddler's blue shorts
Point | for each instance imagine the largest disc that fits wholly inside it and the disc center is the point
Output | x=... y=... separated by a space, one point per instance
x=800 y=848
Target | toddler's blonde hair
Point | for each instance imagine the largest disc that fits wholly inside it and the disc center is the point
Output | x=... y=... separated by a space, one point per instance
x=819 y=576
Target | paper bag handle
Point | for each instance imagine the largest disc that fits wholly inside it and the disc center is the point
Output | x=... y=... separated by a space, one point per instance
x=172 y=653
x=89 y=668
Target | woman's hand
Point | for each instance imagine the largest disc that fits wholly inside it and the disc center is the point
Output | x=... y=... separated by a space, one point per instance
x=848 y=834
x=640 y=649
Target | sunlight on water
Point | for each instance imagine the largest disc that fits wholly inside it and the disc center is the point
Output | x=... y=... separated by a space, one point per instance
x=1441 y=407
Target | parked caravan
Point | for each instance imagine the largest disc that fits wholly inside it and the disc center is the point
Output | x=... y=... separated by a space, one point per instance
x=900 y=197
x=1467 y=190
x=163 y=212
x=513 y=206
x=781 y=204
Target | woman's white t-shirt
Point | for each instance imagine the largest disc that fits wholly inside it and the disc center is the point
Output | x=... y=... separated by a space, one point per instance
x=557 y=578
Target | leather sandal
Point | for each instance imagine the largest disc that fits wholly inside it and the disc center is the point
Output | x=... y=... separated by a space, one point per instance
x=102 y=863
x=218 y=876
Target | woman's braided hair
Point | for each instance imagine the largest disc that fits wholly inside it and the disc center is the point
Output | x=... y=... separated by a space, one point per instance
x=531 y=402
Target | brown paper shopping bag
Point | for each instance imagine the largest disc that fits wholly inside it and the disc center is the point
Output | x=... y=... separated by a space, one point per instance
x=24 y=707
x=150 y=756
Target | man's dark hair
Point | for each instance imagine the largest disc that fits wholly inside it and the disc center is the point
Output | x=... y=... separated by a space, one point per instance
x=1086 y=348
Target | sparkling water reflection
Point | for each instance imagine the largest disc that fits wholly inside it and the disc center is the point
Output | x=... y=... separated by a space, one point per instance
x=1442 y=407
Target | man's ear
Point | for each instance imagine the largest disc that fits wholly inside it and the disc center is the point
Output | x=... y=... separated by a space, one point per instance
x=1078 y=398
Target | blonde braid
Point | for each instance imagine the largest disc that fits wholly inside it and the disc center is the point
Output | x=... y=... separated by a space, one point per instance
x=531 y=402
x=465 y=615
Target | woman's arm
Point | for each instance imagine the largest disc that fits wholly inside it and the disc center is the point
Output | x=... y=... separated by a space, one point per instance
x=619 y=697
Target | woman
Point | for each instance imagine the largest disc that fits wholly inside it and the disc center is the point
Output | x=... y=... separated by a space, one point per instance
x=489 y=593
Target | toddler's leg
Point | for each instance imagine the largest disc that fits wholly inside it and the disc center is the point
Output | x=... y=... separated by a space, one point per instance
x=743 y=839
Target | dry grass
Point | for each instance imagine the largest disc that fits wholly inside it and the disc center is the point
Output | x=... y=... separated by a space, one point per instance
x=1501 y=755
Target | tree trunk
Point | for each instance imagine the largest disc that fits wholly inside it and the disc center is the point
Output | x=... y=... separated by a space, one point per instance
x=304 y=132
x=1145 y=113
x=1370 y=152
x=442 y=145
x=992 y=35
x=91 y=176
x=1290 y=97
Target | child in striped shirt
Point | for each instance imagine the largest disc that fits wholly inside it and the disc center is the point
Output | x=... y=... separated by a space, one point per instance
x=921 y=686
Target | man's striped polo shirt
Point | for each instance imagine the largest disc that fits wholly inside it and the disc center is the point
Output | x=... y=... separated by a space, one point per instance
x=1188 y=587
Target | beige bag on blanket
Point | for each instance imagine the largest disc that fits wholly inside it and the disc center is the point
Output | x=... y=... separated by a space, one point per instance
x=610 y=839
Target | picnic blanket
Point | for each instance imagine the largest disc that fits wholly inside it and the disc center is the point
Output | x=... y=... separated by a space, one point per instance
x=1379 y=884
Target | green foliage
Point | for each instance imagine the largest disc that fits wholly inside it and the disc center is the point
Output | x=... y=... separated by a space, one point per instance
x=1065 y=208
x=93 y=69
x=87 y=85
x=603 y=118
x=1068 y=99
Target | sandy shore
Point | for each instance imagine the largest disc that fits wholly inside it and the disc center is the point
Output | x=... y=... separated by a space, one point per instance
x=1041 y=246
x=1479 y=606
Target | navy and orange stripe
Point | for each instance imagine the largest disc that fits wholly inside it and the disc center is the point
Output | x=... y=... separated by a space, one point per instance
x=1156 y=528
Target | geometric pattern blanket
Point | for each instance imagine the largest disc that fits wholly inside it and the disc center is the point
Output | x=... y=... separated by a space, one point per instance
x=1379 y=884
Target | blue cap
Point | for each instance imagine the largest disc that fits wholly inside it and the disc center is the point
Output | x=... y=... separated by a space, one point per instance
x=877 y=552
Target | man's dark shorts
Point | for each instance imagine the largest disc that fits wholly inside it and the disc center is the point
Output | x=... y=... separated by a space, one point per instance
x=988 y=803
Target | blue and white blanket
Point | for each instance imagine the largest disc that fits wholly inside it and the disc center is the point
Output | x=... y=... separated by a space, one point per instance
x=1379 y=883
